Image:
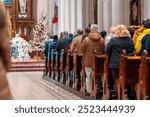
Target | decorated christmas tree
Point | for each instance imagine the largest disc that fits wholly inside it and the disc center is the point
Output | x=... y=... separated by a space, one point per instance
x=40 y=32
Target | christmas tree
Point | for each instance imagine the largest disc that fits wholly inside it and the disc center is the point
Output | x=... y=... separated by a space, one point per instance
x=40 y=32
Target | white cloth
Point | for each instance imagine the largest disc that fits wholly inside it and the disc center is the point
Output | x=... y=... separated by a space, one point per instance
x=107 y=40
x=88 y=71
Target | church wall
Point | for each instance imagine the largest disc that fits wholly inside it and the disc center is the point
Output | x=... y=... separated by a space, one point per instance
x=73 y=14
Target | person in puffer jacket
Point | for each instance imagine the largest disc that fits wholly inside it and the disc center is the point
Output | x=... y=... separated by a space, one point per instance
x=92 y=42
x=139 y=46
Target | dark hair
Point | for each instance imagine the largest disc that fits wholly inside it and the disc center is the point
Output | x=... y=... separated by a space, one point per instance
x=70 y=35
x=3 y=19
x=61 y=34
x=103 y=34
x=145 y=20
x=87 y=30
x=132 y=31
x=80 y=31
x=147 y=24
x=55 y=37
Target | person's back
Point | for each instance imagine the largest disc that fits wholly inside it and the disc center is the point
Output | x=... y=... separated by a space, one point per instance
x=146 y=44
x=122 y=41
x=93 y=42
x=115 y=47
x=139 y=46
x=62 y=43
x=75 y=45
x=4 y=56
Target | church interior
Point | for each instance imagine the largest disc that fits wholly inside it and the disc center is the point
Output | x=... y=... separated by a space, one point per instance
x=76 y=50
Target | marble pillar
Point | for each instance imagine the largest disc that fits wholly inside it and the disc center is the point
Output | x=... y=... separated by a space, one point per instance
x=50 y=14
x=126 y=10
x=79 y=14
x=146 y=8
x=67 y=15
x=73 y=15
x=117 y=12
x=106 y=15
x=100 y=14
x=61 y=16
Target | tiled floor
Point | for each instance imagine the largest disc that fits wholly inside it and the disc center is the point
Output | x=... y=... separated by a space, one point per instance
x=31 y=86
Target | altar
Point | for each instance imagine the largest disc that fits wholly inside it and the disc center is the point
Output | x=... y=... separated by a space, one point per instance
x=21 y=17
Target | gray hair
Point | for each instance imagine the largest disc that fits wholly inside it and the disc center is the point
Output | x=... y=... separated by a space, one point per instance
x=94 y=28
x=80 y=31
x=66 y=33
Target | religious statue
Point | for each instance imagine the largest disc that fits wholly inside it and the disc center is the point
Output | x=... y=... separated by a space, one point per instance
x=22 y=6
x=134 y=13
x=20 y=49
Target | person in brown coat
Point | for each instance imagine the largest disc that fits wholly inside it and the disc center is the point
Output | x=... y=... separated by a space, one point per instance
x=75 y=45
x=92 y=42
x=4 y=55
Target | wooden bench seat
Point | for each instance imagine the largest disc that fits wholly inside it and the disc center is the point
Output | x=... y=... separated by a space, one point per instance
x=128 y=76
x=53 y=61
x=97 y=76
x=57 y=66
x=143 y=86
x=77 y=61
x=69 y=68
x=63 y=65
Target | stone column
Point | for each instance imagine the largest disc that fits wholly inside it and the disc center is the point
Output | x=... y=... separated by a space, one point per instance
x=79 y=13
x=126 y=12
x=100 y=14
x=50 y=14
x=117 y=12
x=146 y=8
x=73 y=15
x=67 y=15
x=61 y=16
x=106 y=15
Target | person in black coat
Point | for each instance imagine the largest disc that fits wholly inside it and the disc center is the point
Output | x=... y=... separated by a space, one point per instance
x=121 y=41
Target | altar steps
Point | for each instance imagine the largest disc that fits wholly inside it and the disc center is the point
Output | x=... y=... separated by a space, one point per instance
x=27 y=66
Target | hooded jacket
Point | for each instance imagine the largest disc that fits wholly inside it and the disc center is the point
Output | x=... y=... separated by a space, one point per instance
x=76 y=43
x=137 y=34
x=92 y=42
x=138 y=46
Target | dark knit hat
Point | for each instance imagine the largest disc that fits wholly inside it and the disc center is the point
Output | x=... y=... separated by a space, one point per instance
x=147 y=24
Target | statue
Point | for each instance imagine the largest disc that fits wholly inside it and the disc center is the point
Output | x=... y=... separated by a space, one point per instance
x=22 y=6
x=20 y=49
x=134 y=13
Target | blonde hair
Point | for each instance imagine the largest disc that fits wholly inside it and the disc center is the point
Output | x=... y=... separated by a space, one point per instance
x=113 y=30
x=122 y=31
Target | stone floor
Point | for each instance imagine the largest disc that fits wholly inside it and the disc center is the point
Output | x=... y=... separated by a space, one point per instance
x=31 y=86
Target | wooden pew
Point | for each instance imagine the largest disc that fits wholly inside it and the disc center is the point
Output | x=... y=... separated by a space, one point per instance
x=69 y=67
x=52 y=72
x=106 y=94
x=63 y=67
x=143 y=86
x=128 y=76
x=77 y=63
x=97 y=75
x=83 y=77
x=46 y=67
x=57 y=66
x=49 y=65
